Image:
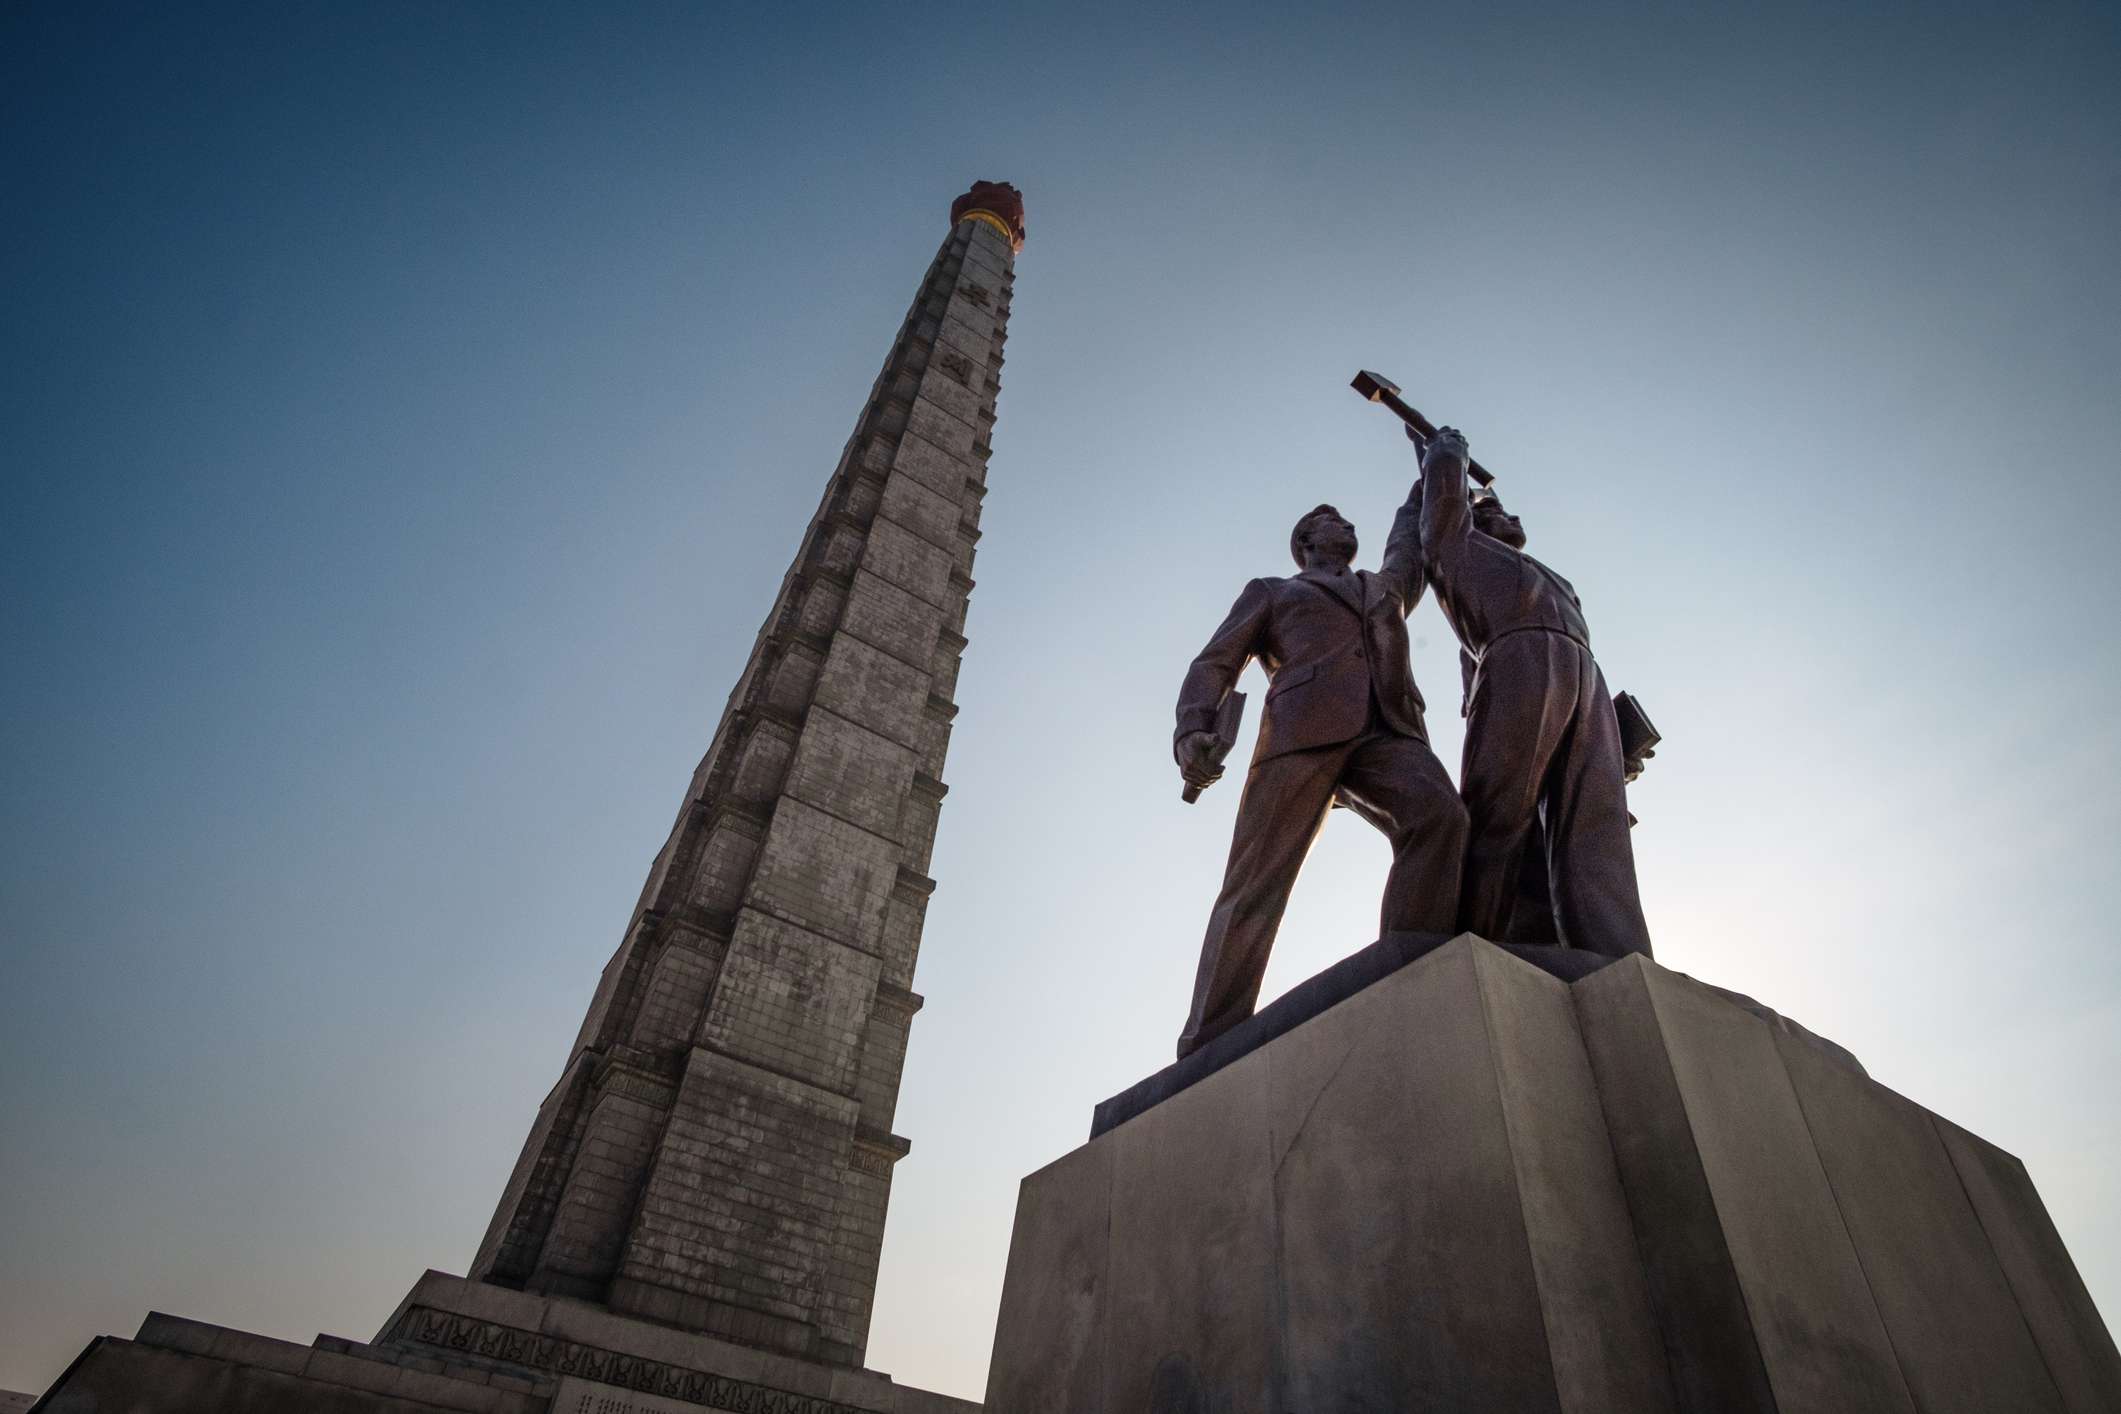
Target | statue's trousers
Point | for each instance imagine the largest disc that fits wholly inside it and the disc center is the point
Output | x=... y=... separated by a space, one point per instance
x=1393 y=781
x=1541 y=739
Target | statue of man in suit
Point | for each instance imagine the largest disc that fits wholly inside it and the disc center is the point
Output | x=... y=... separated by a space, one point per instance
x=1342 y=717
x=1543 y=759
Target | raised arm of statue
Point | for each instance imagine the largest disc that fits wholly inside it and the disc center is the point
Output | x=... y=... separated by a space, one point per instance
x=1405 y=570
x=1216 y=670
x=1446 y=513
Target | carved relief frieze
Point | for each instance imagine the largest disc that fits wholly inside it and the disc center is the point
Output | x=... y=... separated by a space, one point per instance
x=636 y=1084
x=508 y=1345
x=874 y=1152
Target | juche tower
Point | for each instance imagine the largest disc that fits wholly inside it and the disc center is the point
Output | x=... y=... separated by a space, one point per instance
x=717 y=1153
x=696 y=1218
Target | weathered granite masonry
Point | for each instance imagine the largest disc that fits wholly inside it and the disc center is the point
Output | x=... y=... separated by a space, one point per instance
x=717 y=1154
x=696 y=1217
x=467 y=1346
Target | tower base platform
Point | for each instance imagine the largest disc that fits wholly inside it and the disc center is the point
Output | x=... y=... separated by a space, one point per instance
x=1476 y=1185
x=461 y=1345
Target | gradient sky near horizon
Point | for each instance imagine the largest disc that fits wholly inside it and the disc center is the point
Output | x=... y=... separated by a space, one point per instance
x=407 y=414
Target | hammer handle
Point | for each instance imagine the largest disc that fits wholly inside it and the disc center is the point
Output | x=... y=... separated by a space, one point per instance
x=1427 y=429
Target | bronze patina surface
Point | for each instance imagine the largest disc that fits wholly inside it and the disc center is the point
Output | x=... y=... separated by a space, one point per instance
x=1342 y=719
x=1543 y=757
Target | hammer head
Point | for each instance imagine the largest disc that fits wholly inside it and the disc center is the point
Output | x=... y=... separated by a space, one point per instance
x=1373 y=386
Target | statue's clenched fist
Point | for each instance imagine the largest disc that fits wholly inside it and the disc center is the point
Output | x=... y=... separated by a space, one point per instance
x=1196 y=759
x=1448 y=442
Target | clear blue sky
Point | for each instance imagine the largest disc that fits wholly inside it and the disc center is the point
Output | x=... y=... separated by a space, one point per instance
x=407 y=412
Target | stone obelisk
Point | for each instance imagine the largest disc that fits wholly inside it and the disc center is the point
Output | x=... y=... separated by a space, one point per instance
x=697 y=1215
x=717 y=1154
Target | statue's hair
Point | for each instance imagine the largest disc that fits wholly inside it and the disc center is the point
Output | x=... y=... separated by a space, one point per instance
x=1296 y=536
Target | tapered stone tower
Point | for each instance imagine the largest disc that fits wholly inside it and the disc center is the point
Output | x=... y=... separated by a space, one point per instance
x=696 y=1217
x=717 y=1154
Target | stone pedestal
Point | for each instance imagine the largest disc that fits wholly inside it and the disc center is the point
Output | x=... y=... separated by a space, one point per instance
x=1474 y=1185
x=467 y=1346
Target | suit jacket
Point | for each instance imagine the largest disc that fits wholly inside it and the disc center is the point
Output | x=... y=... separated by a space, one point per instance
x=1327 y=651
x=1484 y=587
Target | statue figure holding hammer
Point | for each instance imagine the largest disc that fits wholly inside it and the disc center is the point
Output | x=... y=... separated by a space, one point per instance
x=1343 y=720
x=1548 y=751
x=1544 y=759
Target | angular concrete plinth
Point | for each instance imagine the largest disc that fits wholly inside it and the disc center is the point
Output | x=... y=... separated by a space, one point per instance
x=467 y=1346
x=1474 y=1186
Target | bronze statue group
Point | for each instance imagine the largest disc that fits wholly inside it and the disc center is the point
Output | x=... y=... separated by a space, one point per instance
x=1532 y=843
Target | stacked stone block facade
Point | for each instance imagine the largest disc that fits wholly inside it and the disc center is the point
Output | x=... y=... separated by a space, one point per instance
x=717 y=1155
